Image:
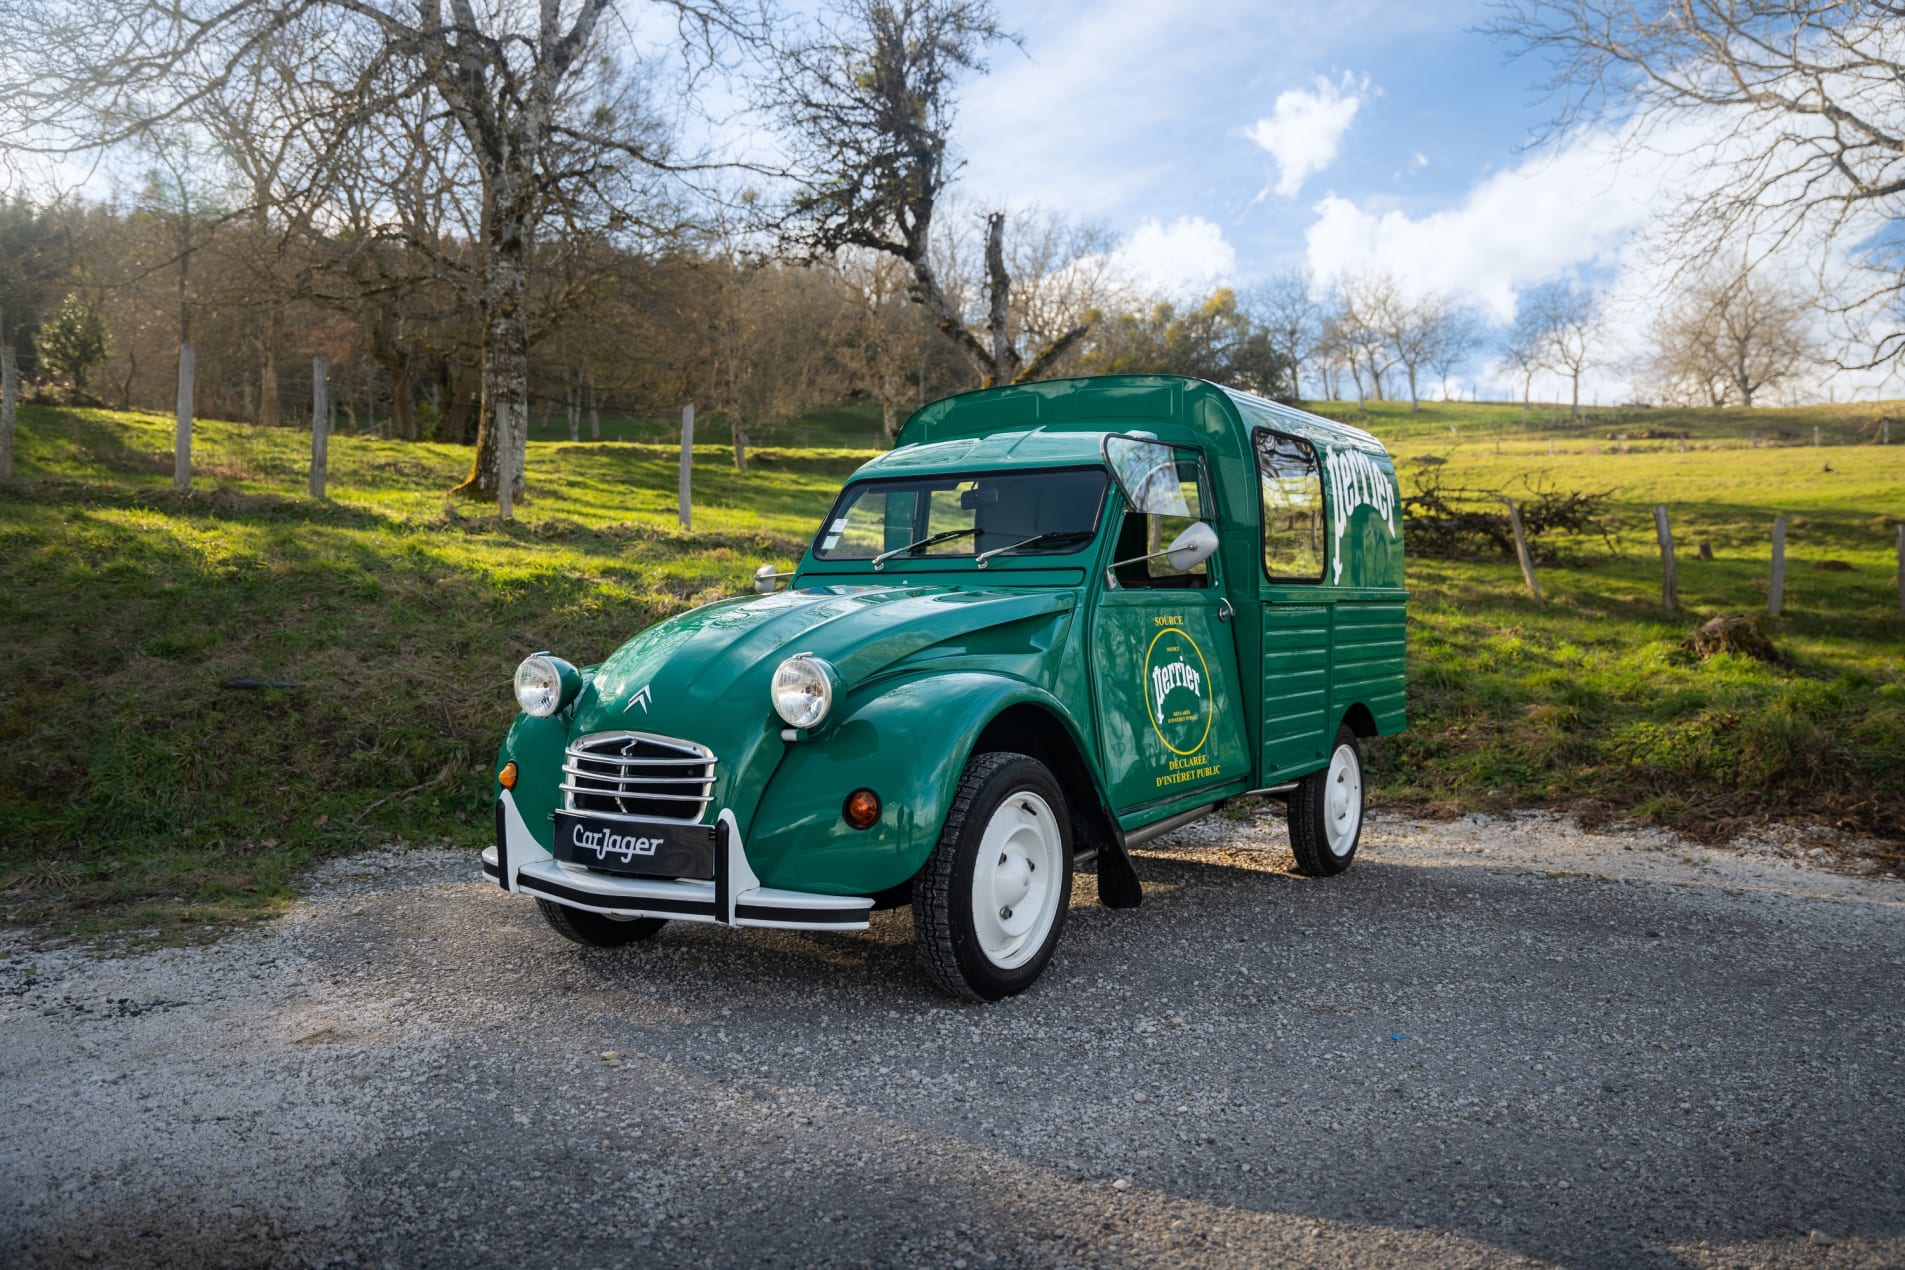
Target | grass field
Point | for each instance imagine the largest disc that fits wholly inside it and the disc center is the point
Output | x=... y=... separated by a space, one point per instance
x=135 y=791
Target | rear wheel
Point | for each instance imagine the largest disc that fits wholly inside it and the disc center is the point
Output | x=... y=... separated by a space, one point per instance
x=598 y=930
x=990 y=903
x=1326 y=811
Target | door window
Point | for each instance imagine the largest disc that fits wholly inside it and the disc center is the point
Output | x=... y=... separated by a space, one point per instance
x=1166 y=493
x=1292 y=494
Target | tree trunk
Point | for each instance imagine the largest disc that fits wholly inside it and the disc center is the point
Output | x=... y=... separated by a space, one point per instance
x=1575 y=404
x=463 y=408
x=573 y=396
x=595 y=415
x=403 y=398
x=889 y=419
x=400 y=368
x=1415 y=399
x=9 y=399
x=1005 y=358
x=267 y=416
x=502 y=428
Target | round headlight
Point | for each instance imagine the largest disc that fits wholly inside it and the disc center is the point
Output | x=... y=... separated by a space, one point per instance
x=539 y=686
x=803 y=690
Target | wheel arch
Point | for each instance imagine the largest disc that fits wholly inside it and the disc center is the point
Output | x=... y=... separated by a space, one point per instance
x=1360 y=720
x=1038 y=730
x=910 y=738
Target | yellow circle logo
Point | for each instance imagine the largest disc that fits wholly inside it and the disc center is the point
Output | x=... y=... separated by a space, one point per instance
x=1177 y=691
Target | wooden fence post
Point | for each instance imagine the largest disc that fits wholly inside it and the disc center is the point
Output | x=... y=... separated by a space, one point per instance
x=1776 y=589
x=1815 y=434
x=320 y=425
x=1668 y=591
x=1521 y=551
x=9 y=402
x=687 y=465
x=182 y=433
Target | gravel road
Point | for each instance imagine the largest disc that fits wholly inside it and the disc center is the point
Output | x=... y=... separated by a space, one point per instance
x=1490 y=1042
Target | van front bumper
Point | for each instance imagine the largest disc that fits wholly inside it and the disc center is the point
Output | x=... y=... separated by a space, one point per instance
x=735 y=896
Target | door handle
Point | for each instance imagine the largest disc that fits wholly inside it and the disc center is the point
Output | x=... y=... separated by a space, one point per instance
x=1224 y=611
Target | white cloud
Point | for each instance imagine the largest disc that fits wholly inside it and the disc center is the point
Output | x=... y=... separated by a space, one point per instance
x=1094 y=116
x=1546 y=217
x=1182 y=260
x=1591 y=210
x=1304 y=129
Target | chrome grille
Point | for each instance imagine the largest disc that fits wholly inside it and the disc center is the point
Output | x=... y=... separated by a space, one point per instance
x=638 y=776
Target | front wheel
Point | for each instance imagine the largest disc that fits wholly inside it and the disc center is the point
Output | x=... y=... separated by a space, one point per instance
x=598 y=930
x=991 y=900
x=1326 y=811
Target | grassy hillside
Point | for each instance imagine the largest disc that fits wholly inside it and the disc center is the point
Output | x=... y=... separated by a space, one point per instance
x=134 y=789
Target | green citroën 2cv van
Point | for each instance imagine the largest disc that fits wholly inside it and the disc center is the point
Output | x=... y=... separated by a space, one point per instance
x=1055 y=621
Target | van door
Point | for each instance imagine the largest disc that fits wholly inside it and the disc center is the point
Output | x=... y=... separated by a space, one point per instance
x=1165 y=682
x=1297 y=609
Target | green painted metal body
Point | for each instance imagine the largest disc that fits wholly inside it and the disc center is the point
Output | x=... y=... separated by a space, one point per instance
x=1171 y=699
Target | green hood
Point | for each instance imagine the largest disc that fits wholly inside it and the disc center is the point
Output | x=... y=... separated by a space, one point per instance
x=703 y=675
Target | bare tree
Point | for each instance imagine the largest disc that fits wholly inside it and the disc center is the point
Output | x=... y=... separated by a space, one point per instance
x=868 y=99
x=1729 y=337
x=1566 y=323
x=535 y=94
x=1424 y=333
x=1288 y=308
x=1523 y=349
x=1368 y=305
x=882 y=341
x=1332 y=354
x=1454 y=335
x=1803 y=102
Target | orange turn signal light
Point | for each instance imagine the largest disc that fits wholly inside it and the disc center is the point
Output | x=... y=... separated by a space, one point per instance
x=507 y=777
x=862 y=809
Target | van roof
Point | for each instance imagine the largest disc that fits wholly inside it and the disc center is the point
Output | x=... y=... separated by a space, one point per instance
x=1174 y=408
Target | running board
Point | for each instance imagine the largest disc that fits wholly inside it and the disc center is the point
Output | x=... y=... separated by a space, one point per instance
x=1158 y=828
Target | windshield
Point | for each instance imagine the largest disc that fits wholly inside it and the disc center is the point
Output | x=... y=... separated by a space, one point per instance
x=1044 y=512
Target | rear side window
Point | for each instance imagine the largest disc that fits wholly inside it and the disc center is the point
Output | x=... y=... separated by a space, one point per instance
x=1292 y=493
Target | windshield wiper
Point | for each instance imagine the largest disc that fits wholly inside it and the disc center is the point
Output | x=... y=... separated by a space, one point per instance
x=927 y=541
x=1050 y=535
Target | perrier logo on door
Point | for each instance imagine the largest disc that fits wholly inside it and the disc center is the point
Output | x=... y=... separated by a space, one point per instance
x=1178 y=699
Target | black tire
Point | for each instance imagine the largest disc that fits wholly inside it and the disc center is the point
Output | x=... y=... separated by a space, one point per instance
x=950 y=947
x=598 y=930
x=1311 y=816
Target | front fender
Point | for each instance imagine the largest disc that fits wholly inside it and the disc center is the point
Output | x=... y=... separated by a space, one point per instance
x=906 y=739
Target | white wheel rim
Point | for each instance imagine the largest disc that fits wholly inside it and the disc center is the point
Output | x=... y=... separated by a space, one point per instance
x=1342 y=801
x=1015 y=881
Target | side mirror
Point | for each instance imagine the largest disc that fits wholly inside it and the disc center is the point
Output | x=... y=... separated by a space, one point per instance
x=1188 y=550
x=1192 y=547
x=766 y=579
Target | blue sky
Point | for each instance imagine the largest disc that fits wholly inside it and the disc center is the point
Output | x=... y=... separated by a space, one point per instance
x=1124 y=112
x=1223 y=141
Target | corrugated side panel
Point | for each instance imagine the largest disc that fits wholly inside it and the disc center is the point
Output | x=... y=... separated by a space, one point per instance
x=1368 y=661
x=1296 y=689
